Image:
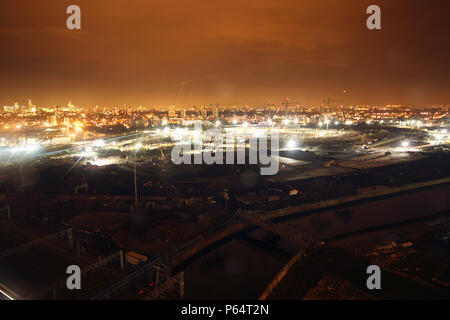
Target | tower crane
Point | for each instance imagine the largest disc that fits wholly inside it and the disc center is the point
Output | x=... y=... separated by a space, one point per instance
x=286 y=104
x=327 y=101
x=215 y=107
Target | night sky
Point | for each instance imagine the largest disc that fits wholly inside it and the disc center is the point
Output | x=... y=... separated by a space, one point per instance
x=195 y=52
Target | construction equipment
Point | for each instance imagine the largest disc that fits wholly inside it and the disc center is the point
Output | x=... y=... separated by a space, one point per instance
x=215 y=107
x=330 y=164
x=329 y=100
x=286 y=103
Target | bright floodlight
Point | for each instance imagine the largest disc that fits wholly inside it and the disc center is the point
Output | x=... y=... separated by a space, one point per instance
x=286 y=121
x=217 y=123
x=32 y=147
x=405 y=144
x=99 y=143
x=87 y=152
x=245 y=124
x=291 y=144
x=139 y=145
x=234 y=121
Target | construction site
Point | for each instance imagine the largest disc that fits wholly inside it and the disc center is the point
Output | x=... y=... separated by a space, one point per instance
x=138 y=225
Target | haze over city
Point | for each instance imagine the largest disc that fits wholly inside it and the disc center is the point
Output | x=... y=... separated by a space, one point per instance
x=180 y=52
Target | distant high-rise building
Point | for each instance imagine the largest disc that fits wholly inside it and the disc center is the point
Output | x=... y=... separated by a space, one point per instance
x=172 y=113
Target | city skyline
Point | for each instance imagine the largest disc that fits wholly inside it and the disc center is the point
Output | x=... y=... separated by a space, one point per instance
x=28 y=104
x=197 y=53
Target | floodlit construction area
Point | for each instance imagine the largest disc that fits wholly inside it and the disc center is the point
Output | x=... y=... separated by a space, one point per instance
x=124 y=194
